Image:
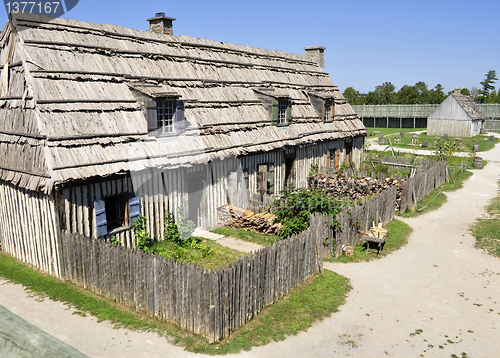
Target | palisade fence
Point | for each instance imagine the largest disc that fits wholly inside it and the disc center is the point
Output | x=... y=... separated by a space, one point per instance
x=416 y=188
x=382 y=207
x=208 y=302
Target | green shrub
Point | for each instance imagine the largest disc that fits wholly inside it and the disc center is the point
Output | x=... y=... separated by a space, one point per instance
x=292 y=207
x=144 y=240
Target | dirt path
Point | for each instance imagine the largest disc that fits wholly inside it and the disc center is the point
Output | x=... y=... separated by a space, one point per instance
x=435 y=289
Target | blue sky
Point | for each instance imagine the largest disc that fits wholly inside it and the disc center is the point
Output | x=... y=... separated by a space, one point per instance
x=367 y=43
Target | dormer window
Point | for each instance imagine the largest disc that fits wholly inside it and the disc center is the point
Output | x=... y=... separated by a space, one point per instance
x=165 y=116
x=329 y=111
x=282 y=106
x=282 y=112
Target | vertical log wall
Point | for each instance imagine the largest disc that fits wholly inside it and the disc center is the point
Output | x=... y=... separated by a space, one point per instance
x=28 y=228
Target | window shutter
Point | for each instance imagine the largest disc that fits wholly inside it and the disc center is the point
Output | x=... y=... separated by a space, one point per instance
x=179 y=114
x=245 y=178
x=333 y=110
x=152 y=119
x=337 y=160
x=289 y=112
x=134 y=207
x=100 y=217
x=275 y=112
x=271 y=178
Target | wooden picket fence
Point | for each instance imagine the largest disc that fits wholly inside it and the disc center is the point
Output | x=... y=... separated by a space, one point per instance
x=379 y=208
x=382 y=207
x=208 y=302
x=416 y=188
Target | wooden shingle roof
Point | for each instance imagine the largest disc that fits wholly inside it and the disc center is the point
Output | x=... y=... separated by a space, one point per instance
x=68 y=107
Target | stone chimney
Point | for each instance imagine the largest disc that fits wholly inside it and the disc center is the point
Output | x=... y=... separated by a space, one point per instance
x=316 y=53
x=457 y=90
x=160 y=24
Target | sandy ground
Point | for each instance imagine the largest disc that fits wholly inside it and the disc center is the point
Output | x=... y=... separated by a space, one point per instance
x=436 y=290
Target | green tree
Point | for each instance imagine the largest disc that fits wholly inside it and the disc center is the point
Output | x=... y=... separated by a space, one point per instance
x=423 y=92
x=407 y=95
x=488 y=86
x=352 y=96
x=383 y=94
x=436 y=95
x=465 y=91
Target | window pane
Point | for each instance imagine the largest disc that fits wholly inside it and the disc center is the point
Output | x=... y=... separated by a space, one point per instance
x=165 y=116
x=282 y=106
x=328 y=110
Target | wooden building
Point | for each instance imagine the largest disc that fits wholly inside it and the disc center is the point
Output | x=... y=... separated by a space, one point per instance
x=100 y=123
x=457 y=116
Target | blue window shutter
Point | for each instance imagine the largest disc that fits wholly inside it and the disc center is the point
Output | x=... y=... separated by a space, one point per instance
x=152 y=118
x=179 y=113
x=134 y=206
x=100 y=217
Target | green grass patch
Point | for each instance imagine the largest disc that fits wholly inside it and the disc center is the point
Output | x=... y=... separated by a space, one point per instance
x=247 y=235
x=393 y=131
x=397 y=237
x=431 y=202
x=487 y=230
x=200 y=251
x=315 y=299
x=483 y=140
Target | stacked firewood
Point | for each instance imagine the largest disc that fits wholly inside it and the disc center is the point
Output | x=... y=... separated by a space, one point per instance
x=343 y=187
x=229 y=215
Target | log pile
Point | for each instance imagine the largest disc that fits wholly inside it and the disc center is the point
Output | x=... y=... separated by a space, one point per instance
x=343 y=187
x=231 y=216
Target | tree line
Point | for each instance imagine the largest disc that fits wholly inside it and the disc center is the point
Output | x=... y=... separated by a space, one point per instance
x=419 y=93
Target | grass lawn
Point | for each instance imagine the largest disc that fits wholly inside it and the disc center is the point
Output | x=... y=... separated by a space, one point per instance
x=467 y=142
x=487 y=230
x=247 y=235
x=397 y=237
x=314 y=300
x=431 y=202
x=201 y=251
x=393 y=131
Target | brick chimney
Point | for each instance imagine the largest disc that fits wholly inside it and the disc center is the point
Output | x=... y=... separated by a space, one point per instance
x=316 y=53
x=457 y=90
x=160 y=24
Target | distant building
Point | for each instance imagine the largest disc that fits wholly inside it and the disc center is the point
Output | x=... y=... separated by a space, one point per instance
x=457 y=116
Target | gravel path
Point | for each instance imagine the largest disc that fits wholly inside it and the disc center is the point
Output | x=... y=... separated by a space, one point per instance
x=436 y=288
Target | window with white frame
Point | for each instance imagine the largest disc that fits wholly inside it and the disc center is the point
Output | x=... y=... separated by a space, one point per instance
x=282 y=108
x=165 y=115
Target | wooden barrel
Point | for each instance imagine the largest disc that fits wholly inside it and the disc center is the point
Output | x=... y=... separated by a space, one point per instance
x=425 y=144
x=402 y=134
x=481 y=131
x=382 y=141
x=476 y=147
x=492 y=138
x=381 y=136
x=478 y=162
x=445 y=136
